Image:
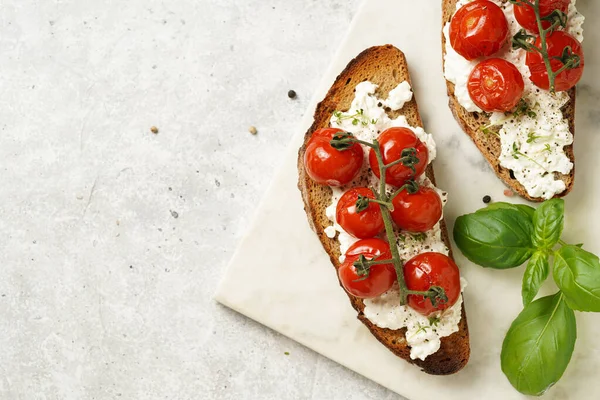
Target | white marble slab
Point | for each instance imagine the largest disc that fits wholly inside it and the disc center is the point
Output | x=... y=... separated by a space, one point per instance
x=281 y=277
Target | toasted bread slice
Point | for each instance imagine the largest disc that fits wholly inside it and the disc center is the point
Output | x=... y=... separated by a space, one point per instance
x=385 y=66
x=489 y=145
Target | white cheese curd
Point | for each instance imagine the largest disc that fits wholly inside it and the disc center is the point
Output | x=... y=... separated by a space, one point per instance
x=346 y=240
x=423 y=334
x=457 y=70
x=532 y=146
x=575 y=22
x=366 y=119
x=399 y=96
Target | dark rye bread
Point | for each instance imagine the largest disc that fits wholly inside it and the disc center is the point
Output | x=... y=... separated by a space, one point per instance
x=385 y=66
x=489 y=144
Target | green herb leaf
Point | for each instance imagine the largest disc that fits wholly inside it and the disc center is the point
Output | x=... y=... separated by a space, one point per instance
x=577 y=274
x=548 y=223
x=539 y=345
x=536 y=273
x=495 y=238
x=527 y=211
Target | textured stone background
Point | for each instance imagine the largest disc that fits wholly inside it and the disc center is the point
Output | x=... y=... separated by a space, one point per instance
x=113 y=239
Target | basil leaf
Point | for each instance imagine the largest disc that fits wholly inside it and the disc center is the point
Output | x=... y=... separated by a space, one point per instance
x=539 y=345
x=577 y=274
x=498 y=238
x=524 y=209
x=548 y=223
x=536 y=273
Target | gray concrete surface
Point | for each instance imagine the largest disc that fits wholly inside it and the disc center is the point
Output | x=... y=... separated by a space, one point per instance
x=112 y=238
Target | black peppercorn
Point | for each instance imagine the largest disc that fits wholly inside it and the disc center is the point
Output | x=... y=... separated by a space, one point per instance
x=291 y=94
x=487 y=199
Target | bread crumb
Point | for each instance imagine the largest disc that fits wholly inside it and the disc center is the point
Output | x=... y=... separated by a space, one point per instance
x=154 y=130
x=509 y=193
x=252 y=130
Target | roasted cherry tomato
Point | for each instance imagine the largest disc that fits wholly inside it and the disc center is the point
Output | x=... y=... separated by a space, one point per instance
x=495 y=85
x=431 y=269
x=526 y=16
x=478 y=29
x=364 y=224
x=380 y=278
x=417 y=212
x=557 y=41
x=391 y=143
x=326 y=133
x=328 y=166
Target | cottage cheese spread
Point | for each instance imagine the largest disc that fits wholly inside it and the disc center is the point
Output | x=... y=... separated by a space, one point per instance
x=423 y=334
x=532 y=146
x=366 y=119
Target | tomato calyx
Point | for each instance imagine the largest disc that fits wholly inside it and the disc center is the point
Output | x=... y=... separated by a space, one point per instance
x=344 y=140
x=569 y=59
x=556 y=18
x=411 y=186
x=363 y=203
x=363 y=266
x=522 y=40
x=408 y=158
x=436 y=294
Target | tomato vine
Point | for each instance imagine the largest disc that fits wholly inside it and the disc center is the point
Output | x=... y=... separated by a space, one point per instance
x=343 y=141
x=523 y=40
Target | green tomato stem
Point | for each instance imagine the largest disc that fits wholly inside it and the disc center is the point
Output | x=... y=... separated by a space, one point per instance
x=543 y=49
x=389 y=228
x=378 y=262
x=383 y=203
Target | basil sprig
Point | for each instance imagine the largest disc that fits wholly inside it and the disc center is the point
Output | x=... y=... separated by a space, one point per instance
x=540 y=342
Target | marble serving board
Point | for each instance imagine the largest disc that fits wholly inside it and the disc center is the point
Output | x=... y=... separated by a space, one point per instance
x=281 y=277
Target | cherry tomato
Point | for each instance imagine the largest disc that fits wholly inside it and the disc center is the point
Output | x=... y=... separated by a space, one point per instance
x=328 y=166
x=364 y=224
x=431 y=269
x=381 y=277
x=417 y=212
x=391 y=144
x=495 y=85
x=557 y=41
x=526 y=16
x=326 y=133
x=478 y=29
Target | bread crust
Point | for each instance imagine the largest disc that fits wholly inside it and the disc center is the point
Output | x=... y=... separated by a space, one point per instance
x=385 y=66
x=489 y=144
